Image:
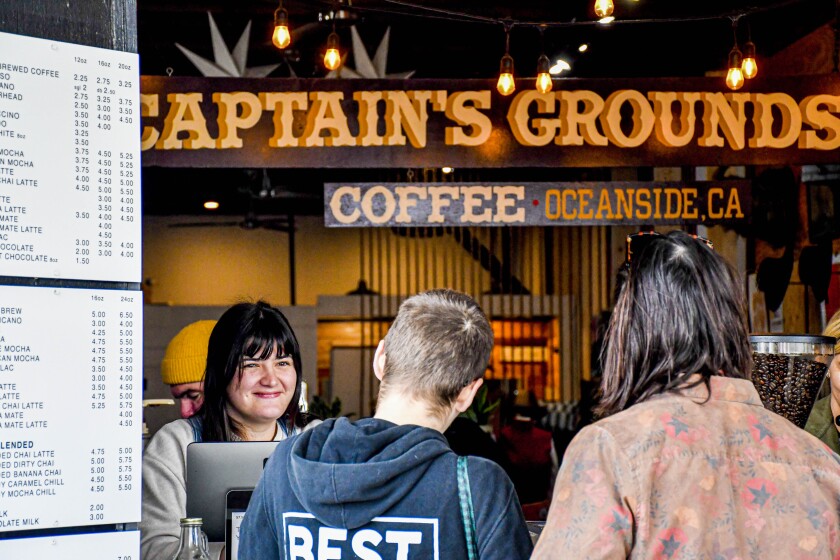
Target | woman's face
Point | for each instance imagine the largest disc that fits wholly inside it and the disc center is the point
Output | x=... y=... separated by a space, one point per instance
x=834 y=372
x=262 y=390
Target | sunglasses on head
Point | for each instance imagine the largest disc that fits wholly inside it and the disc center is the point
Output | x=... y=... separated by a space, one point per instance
x=636 y=243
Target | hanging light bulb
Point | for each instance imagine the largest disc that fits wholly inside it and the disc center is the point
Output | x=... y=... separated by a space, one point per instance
x=603 y=8
x=749 y=66
x=506 y=84
x=281 y=36
x=735 y=76
x=544 y=82
x=332 y=58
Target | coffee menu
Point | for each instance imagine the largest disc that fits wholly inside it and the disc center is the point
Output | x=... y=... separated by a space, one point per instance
x=70 y=392
x=69 y=161
x=102 y=546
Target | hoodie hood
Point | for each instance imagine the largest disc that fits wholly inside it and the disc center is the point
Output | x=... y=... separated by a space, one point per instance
x=345 y=474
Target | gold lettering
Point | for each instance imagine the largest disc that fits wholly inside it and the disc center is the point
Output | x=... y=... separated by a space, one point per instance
x=474 y=197
x=733 y=205
x=405 y=202
x=714 y=192
x=465 y=115
x=657 y=213
x=663 y=103
x=567 y=194
x=579 y=112
x=439 y=202
x=791 y=123
x=229 y=119
x=823 y=121
x=283 y=105
x=388 y=207
x=326 y=115
x=673 y=203
x=584 y=198
x=149 y=107
x=724 y=112
x=643 y=201
x=689 y=199
x=555 y=195
x=368 y=119
x=604 y=204
x=506 y=198
x=184 y=116
x=624 y=201
x=336 y=206
x=642 y=118
x=518 y=118
x=406 y=111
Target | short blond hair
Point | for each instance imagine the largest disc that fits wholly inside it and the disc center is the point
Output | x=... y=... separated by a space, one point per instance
x=832 y=328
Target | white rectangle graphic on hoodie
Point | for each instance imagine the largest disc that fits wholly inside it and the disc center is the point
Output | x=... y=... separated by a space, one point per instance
x=383 y=538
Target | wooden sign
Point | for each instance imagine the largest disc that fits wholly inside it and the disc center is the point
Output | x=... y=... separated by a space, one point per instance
x=534 y=204
x=201 y=122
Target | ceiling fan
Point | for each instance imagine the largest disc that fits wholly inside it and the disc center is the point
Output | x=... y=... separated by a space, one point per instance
x=262 y=192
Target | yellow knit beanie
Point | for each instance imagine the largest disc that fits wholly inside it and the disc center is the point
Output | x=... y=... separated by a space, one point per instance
x=186 y=354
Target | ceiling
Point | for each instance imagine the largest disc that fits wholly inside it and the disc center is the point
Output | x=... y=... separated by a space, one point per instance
x=448 y=39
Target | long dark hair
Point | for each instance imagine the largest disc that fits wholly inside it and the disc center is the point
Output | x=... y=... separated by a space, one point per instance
x=245 y=330
x=681 y=311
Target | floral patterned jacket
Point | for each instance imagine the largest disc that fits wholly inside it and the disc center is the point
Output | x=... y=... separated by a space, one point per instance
x=683 y=477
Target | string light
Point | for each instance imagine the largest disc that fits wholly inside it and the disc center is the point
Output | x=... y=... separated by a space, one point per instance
x=603 y=8
x=506 y=84
x=749 y=66
x=332 y=58
x=281 y=36
x=544 y=83
x=735 y=76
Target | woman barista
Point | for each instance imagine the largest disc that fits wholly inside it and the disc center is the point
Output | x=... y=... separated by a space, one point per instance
x=252 y=385
x=824 y=421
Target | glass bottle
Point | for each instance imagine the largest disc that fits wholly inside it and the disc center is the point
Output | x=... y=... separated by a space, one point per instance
x=193 y=545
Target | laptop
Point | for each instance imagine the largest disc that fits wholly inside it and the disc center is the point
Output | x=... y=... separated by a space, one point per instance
x=216 y=468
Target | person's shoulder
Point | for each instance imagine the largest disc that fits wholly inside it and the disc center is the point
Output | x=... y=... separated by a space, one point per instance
x=485 y=469
x=176 y=432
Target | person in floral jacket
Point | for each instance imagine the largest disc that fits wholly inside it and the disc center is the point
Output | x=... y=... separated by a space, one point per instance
x=688 y=463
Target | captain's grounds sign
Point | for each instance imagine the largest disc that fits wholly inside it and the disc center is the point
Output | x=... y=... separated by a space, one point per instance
x=321 y=123
x=534 y=204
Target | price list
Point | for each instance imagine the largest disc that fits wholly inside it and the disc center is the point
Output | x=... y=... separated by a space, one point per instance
x=98 y=546
x=69 y=161
x=70 y=407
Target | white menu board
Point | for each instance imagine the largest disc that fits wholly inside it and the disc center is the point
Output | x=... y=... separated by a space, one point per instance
x=123 y=545
x=70 y=407
x=69 y=161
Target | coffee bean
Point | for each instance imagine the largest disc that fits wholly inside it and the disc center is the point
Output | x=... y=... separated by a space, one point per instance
x=788 y=385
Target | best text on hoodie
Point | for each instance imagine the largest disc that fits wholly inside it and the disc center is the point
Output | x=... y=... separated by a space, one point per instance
x=374 y=490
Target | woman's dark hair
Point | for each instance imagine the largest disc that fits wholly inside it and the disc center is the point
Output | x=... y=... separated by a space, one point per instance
x=250 y=330
x=681 y=311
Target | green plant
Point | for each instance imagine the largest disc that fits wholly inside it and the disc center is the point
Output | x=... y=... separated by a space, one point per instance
x=481 y=408
x=322 y=409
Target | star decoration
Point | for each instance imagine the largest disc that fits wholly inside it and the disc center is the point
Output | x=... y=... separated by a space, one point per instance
x=761 y=495
x=619 y=522
x=763 y=431
x=670 y=546
x=678 y=425
x=227 y=64
x=365 y=67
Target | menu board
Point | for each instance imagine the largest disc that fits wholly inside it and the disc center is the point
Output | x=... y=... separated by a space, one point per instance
x=70 y=407
x=124 y=545
x=69 y=161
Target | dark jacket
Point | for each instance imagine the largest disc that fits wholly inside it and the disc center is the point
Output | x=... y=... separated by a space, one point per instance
x=374 y=490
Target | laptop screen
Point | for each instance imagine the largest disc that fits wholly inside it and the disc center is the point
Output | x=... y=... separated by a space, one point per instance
x=216 y=468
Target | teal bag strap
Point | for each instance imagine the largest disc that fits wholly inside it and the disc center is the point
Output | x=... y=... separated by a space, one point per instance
x=467 y=515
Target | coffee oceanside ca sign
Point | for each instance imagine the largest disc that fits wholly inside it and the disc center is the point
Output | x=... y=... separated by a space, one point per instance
x=534 y=204
x=201 y=122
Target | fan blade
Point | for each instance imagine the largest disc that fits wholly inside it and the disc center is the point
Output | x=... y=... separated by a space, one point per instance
x=205 y=224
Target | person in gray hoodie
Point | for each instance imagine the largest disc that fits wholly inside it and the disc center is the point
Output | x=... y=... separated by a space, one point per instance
x=389 y=487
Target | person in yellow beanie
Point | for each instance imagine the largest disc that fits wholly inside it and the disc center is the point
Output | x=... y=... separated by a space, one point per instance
x=183 y=365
